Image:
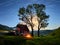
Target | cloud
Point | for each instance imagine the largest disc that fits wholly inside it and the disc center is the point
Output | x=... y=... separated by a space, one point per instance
x=6 y=2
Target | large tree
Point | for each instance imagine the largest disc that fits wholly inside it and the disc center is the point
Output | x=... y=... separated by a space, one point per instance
x=27 y=14
x=42 y=17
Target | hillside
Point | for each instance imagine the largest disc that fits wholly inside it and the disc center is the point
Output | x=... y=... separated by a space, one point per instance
x=56 y=33
x=4 y=27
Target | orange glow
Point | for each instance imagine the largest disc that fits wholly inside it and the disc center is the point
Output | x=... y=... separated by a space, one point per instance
x=28 y=36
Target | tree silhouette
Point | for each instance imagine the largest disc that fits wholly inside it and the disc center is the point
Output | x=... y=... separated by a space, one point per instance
x=27 y=14
x=42 y=17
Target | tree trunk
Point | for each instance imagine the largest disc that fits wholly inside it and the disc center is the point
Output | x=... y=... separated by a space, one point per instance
x=32 y=25
x=32 y=31
x=39 y=29
x=38 y=32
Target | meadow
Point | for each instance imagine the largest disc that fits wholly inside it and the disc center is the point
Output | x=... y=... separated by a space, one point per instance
x=50 y=39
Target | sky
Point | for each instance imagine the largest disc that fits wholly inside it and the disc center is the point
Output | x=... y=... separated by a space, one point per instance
x=9 y=11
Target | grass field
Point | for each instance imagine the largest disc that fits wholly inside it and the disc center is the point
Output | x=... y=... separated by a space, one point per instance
x=50 y=39
x=17 y=40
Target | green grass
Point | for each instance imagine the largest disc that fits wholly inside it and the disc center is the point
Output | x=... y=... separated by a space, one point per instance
x=17 y=40
x=51 y=39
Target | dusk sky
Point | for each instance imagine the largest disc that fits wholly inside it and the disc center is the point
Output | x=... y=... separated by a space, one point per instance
x=9 y=11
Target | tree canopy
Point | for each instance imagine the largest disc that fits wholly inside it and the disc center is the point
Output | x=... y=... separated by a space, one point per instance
x=38 y=10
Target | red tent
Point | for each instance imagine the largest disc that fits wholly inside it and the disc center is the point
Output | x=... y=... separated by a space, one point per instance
x=23 y=28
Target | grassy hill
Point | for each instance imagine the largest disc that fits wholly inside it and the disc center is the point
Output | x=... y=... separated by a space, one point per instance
x=56 y=33
x=4 y=27
x=50 y=39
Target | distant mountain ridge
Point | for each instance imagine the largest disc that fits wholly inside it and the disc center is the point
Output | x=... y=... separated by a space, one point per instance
x=4 y=27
